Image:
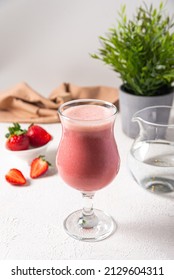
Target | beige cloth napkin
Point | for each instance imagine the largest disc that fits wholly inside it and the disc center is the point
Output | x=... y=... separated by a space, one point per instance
x=23 y=104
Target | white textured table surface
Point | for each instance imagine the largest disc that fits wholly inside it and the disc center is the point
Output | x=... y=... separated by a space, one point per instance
x=31 y=217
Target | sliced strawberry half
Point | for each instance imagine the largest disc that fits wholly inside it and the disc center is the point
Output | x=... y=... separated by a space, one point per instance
x=39 y=166
x=15 y=177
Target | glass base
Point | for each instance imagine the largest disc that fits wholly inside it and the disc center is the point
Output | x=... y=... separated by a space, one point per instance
x=103 y=229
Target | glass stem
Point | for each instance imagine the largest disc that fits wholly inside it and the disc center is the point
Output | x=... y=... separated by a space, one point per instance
x=87 y=204
x=88 y=218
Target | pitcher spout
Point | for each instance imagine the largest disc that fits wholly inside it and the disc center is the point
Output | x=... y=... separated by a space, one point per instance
x=154 y=122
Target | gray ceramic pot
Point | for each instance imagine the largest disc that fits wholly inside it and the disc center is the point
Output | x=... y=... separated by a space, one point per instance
x=130 y=104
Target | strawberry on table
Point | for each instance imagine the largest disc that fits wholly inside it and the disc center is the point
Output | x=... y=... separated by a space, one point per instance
x=17 y=138
x=38 y=136
x=39 y=166
x=15 y=177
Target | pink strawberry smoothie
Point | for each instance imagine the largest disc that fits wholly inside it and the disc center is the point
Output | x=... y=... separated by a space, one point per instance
x=87 y=157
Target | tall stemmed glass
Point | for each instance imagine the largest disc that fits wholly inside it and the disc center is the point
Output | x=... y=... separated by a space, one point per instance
x=88 y=160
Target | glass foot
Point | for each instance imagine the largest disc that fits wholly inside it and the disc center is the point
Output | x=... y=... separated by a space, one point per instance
x=102 y=229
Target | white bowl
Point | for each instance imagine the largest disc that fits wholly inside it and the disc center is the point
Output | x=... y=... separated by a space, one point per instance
x=28 y=155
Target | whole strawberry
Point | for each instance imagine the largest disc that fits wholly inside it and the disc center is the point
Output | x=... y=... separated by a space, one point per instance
x=38 y=136
x=17 y=138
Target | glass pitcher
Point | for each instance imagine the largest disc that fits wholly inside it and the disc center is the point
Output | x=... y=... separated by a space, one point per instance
x=151 y=157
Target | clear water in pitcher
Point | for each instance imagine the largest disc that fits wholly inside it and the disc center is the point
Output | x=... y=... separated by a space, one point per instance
x=152 y=165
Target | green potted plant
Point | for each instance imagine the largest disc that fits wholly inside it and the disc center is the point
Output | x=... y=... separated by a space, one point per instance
x=141 y=50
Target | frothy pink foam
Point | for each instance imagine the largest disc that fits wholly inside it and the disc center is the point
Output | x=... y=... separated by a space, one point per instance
x=88 y=112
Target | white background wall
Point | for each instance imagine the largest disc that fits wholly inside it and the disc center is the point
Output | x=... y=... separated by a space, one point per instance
x=47 y=42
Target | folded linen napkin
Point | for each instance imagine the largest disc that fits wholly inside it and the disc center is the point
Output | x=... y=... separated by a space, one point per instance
x=23 y=104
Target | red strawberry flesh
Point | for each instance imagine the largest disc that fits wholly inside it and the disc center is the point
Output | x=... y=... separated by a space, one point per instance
x=39 y=166
x=15 y=177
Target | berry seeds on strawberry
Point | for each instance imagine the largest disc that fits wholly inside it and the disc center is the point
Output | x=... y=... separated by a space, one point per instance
x=38 y=136
x=39 y=166
x=15 y=177
x=17 y=138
